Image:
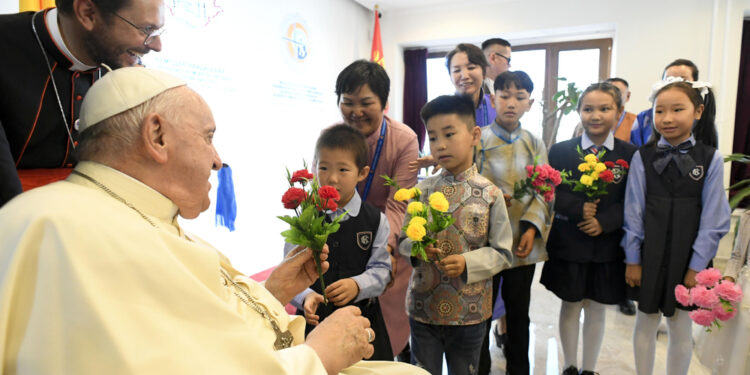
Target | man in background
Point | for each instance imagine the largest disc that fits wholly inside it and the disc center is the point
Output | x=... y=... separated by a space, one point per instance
x=644 y=122
x=497 y=51
x=50 y=60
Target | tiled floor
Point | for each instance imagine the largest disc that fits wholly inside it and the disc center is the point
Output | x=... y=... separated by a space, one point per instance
x=616 y=355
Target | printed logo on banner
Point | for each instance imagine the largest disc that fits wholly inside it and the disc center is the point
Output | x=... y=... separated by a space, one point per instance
x=297 y=41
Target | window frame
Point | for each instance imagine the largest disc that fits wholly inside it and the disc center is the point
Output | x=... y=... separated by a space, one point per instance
x=552 y=53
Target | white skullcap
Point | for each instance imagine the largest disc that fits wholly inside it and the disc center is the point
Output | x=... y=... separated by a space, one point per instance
x=121 y=90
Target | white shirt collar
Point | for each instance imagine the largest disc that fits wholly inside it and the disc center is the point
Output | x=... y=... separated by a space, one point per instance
x=664 y=142
x=609 y=143
x=54 y=30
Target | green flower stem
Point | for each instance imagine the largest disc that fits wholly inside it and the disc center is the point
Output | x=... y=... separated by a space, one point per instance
x=316 y=258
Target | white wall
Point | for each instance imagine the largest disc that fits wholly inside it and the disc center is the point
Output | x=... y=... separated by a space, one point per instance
x=245 y=60
x=647 y=35
x=8 y=6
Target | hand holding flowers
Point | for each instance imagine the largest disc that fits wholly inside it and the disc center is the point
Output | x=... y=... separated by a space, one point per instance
x=540 y=179
x=425 y=220
x=715 y=298
x=595 y=174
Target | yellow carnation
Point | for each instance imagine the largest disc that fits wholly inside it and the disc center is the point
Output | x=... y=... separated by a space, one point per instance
x=415 y=208
x=594 y=176
x=402 y=195
x=600 y=167
x=417 y=220
x=438 y=202
x=415 y=192
x=415 y=232
x=590 y=158
x=586 y=180
x=583 y=167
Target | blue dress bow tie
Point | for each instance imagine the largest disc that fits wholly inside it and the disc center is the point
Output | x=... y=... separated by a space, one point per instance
x=666 y=153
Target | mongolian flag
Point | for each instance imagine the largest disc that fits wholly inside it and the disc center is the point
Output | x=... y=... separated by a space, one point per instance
x=377 y=43
x=34 y=5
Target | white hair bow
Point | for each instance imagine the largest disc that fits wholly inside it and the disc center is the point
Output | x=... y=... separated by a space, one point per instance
x=700 y=85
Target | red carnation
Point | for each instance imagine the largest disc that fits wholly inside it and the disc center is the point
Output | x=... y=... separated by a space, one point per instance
x=293 y=197
x=622 y=163
x=554 y=176
x=301 y=175
x=549 y=196
x=328 y=192
x=607 y=176
x=543 y=172
x=609 y=164
x=529 y=170
x=329 y=204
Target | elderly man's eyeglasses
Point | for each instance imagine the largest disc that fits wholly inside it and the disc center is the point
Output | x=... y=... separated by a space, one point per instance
x=503 y=56
x=147 y=31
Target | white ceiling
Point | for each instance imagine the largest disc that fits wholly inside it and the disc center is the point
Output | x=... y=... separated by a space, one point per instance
x=395 y=6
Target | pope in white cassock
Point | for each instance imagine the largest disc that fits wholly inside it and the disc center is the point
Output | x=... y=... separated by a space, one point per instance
x=97 y=277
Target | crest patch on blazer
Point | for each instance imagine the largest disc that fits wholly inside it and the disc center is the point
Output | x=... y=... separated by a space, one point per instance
x=619 y=173
x=364 y=240
x=696 y=173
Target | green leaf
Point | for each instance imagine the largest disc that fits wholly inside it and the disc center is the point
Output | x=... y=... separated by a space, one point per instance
x=291 y=220
x=417 y=250
x=333 y=228
x=307 y=216
x=737 y=198
x=740 y=158
x=741 y=183
x=390 y=182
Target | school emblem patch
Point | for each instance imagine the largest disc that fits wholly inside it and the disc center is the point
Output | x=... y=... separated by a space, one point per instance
x=697 y=173
x=619 y=173
x=364 y=240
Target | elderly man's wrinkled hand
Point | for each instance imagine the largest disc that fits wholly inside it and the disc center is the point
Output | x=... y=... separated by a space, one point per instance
x=295 y=273
x=342 y=339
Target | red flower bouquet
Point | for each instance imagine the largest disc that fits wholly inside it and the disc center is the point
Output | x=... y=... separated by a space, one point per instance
x=595 y=174
x=308 y=226
x=715 y=298
x=540 y=179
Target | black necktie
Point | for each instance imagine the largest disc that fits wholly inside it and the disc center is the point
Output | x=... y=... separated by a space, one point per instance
x=667 y=153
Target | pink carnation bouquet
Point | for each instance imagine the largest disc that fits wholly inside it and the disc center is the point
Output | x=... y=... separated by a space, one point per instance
x=540 y=179
x=716 y=299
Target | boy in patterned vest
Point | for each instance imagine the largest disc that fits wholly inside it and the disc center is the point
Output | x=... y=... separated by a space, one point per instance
x=359 y=265
x=449 y=302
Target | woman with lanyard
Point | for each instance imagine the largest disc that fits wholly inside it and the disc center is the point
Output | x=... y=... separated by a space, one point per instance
x=362 y=93
x=467 y=67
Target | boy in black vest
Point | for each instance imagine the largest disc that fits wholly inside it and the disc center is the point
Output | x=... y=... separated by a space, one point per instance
x=360 y=266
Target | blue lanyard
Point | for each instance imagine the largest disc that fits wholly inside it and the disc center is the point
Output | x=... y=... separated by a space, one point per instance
x=484 y=111
x=375 y=160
